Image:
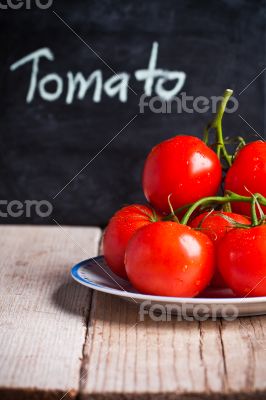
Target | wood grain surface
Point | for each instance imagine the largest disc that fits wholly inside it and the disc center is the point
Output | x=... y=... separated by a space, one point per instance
x=171 y=359
x=57 y=340
x=43 y=313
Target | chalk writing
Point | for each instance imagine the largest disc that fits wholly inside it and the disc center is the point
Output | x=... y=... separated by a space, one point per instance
x=52 y=86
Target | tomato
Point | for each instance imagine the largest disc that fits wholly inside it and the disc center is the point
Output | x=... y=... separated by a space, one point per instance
x=184 y=167
x=169 y=259
x=121 y=227
x=248 y=174
x=215 y=226
x=242 y=260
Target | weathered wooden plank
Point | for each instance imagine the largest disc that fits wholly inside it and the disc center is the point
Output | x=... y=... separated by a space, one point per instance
x=43 y=312
x=244 y=344
x=44 y=319
x=127 y=358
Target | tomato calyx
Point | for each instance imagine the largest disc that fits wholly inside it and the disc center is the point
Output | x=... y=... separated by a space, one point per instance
x=257 y=200
x=172 y=216
x=232 y=222
x=220 y=143
x=154 y=217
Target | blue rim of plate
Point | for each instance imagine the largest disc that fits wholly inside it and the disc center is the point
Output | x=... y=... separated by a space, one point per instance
x=78 y=278
x=135 y=295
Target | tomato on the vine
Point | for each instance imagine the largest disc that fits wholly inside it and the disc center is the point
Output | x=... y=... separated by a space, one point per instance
x=216 y=225
x=242 y=260
x=169 y=259
x=121 y=227
x=183 y=166
x=248 y=174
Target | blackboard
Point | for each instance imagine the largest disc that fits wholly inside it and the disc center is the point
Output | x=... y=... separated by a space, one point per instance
x=48 y=134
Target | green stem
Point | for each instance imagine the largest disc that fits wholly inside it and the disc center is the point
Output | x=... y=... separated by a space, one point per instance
x=206 y=133
x=227 y=206
x=254 y=217
x=221 y=200
x=217 y=125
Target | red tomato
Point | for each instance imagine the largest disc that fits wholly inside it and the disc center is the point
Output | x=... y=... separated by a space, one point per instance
x=215 y=226
x=184 y=167
x=242 y=260
x=169 y=259
x=248 y=173
x=121 y=227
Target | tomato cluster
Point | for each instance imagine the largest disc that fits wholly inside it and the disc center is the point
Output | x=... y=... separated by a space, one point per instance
x=182 y=241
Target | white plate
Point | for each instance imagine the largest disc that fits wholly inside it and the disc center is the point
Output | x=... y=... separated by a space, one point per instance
x=95 y=274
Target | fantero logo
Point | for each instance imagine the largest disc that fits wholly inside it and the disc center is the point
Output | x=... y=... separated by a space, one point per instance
x=27 y=4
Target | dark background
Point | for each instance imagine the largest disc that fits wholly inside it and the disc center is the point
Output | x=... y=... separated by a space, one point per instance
x=43 y=145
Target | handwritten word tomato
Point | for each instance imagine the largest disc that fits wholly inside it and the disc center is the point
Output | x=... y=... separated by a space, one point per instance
x=248 y=174
x=215 y=227
x=121 y=227
x=242 y=261
x=183 y=166
x=169 y=259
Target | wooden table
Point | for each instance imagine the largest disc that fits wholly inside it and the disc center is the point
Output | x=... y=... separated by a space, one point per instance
x=58 y=337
